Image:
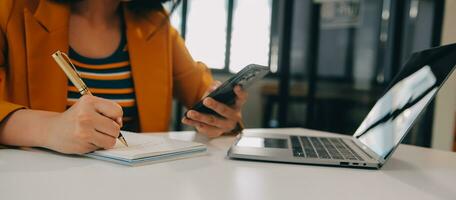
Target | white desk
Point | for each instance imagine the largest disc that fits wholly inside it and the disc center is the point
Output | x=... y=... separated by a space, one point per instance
x=413 y=173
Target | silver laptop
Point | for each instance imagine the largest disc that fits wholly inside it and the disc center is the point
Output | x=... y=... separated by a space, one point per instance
x=379 y=134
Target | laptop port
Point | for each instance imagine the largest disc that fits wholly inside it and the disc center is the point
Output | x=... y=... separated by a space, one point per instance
x=344 y=163
x=355 y=163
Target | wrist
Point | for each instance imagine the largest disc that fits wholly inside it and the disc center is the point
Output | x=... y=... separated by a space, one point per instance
x=44 y=123
x=46 y=129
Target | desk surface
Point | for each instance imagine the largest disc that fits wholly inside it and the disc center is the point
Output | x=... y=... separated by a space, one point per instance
x=413 y=173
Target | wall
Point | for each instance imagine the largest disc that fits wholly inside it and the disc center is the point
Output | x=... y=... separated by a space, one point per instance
x=445 y=109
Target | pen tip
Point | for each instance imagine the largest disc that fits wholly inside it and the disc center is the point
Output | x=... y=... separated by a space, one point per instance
x=122 y=139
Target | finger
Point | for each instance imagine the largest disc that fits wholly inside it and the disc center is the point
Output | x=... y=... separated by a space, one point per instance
x=221 y=109
x=102 y=140
x=107 y=126
x=209 y=130
x=211 y=120
x=189 y=122
x=241 y=96
x=109 y=109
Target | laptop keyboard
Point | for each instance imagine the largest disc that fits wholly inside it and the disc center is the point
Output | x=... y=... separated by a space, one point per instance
x=324 y=148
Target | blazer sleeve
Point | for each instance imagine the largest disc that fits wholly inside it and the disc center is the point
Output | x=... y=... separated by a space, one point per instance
x=191 y=79
x=6 y=107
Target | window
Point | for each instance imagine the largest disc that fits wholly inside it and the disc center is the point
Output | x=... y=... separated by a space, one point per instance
x=226 y=34
x=176 y=17
x=206 y=31
x=251 y=33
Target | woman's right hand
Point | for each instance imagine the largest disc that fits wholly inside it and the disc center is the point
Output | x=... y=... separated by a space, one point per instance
x=91 y=123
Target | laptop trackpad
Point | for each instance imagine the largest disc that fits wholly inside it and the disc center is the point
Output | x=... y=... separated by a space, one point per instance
x=261 y=142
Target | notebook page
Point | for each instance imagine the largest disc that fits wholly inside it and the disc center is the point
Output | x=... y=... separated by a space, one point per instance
x=140 y=146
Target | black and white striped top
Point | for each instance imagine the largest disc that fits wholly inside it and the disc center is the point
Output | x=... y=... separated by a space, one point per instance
x=108 y=78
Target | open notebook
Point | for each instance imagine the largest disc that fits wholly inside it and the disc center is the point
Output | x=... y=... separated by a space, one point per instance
x=146 y=149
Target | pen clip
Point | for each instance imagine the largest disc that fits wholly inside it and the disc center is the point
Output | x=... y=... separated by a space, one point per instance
x=67 y=58
x=70 y=70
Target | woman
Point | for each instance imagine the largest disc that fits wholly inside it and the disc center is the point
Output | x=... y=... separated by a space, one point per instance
x=122 y=52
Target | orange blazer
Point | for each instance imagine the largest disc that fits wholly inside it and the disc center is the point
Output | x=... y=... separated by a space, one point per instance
x=31 y=30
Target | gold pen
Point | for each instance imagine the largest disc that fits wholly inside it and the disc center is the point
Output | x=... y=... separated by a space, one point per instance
x=67 y=66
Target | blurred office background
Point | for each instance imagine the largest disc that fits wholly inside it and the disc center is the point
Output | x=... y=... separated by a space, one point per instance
x=330 y=59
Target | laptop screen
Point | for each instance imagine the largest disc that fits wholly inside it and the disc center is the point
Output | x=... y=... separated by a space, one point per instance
x=410 y=92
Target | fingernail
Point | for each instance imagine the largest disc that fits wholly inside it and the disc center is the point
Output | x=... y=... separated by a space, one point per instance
x=119 y=121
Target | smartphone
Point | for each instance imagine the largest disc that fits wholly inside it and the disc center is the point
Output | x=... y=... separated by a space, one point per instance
x=225 y=92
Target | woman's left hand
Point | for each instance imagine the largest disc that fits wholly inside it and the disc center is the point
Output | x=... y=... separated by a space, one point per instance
x=212 y=125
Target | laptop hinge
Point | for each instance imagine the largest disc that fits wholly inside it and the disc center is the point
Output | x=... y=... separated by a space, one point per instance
x=368 y=151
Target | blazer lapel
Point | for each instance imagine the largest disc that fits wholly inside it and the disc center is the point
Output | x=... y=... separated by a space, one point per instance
x=151 y=71
x=46 y=32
